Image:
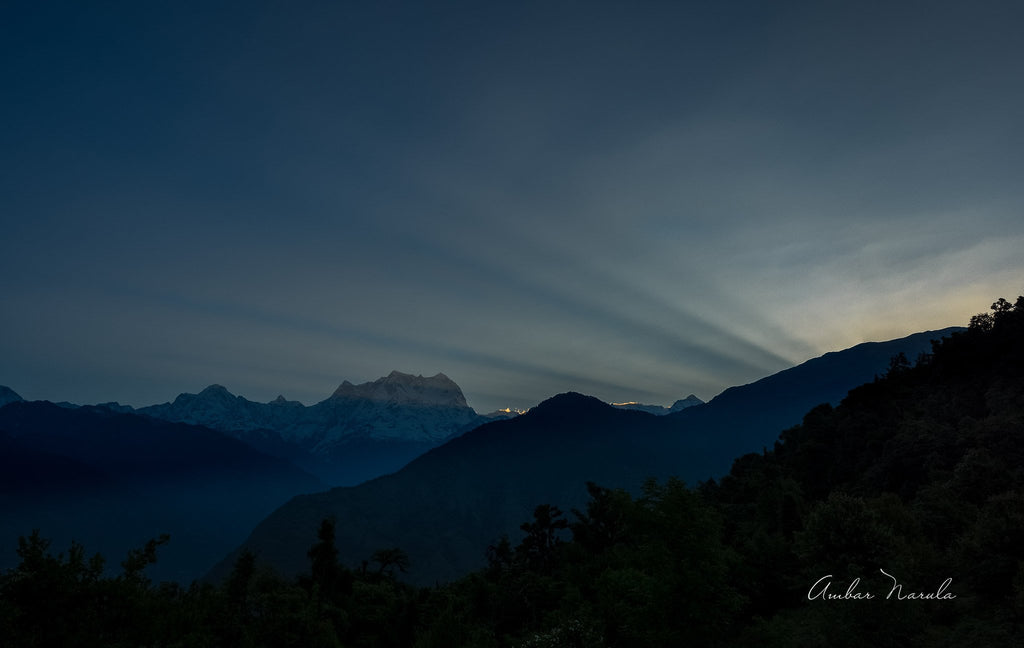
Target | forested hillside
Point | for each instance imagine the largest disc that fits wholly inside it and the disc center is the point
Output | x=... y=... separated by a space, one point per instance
x=893 y=519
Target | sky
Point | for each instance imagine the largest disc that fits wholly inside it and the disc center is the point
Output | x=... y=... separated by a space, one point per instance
x=637 y=201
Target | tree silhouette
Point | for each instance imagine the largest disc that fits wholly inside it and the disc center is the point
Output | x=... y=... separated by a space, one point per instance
x=542 y=537
x=389 y=559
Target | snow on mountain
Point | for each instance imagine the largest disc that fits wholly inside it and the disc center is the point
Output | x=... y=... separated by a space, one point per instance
x=359 y=432
x=399 y=408
x=217 y=408
x=505 y=413
x=659 y=410
x=398 y=387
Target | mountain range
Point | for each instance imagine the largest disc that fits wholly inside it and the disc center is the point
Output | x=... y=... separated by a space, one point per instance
x=444 y=506
x=111 y=476
x=359 y=432
x=915 y=470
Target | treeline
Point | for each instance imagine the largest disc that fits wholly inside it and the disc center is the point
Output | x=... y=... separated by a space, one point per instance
x=894 y=519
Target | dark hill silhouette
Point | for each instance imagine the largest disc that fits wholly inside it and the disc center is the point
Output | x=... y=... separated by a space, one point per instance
x=112 y=480
x=8 y=395
x=445 y=506
x=31 y=471
x=749 y=417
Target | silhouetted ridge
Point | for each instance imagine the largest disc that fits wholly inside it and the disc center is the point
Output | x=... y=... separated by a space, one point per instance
x=568 y=404
x=830 y=374
x=8 y=395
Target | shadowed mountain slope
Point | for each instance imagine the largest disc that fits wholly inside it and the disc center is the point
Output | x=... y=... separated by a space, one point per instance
x=750 y=417
x=456 y=499
x=112 y=481
x=8 y=395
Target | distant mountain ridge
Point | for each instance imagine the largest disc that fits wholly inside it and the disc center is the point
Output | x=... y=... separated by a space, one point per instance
x=359 y=432
x=350 y=411
x=659 y=410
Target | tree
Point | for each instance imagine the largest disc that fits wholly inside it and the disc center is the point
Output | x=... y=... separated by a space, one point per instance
x=324 y=568
x=138 y=559
x=607 y=520
x=542 y=537
x=388 y=559
x=50 y=599
x=898 y=364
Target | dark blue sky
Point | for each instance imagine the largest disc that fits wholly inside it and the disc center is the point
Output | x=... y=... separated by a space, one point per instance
x=633 y=200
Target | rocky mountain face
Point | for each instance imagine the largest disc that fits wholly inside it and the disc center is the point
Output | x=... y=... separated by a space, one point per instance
x=397 y=387
x=359 y=432
x=399 y=407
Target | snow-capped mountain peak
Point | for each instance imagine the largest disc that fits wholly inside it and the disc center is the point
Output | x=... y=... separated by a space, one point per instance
x=216 y=391
x=358 y=430
x=406 y=389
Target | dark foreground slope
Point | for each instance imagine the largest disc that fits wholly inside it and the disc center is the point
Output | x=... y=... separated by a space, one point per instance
x=448 y=505
x=112 y=481
x=895 y=519
x=914 y=479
